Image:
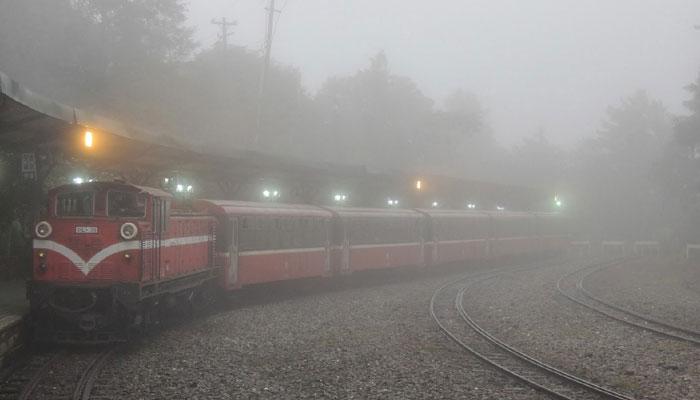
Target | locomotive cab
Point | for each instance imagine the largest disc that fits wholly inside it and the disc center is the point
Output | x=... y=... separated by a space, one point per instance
x=95 y=231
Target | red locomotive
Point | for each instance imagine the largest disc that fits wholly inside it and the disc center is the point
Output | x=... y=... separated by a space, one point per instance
x=110 y=253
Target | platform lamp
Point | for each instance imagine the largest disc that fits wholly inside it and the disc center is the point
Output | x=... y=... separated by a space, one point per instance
x=88 y=139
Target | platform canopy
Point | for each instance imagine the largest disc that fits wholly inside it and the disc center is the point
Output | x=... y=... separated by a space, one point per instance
x=28 y=119
x=30 y=122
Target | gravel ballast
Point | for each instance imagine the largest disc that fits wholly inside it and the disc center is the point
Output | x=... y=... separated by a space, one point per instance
x=357 y=341
x=370 y=336
x=666 y=288
x=525 y=310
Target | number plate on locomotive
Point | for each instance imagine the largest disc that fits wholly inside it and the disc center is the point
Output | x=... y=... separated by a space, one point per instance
x=85 y=229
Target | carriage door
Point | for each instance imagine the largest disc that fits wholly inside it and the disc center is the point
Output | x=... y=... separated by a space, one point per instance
x=328 y=243
x=428 y=242
x=345 y=249
x=232 y=226
x=151 y=243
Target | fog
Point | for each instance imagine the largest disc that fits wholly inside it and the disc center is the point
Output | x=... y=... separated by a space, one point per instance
x=261 y=198
x=535 y=65
x=597 y=102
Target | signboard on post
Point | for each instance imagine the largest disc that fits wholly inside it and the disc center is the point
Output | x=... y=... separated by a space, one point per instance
x=28 y=165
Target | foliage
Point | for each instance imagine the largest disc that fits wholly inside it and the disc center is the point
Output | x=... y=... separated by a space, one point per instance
x=374 y=117
x=614 y=170
x=221 y=105
x=113 y=57
x=682 y=162
x=136 y=61
x=538 y=162
x=688 y=127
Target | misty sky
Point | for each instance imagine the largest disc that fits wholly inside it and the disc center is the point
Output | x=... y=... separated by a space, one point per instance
x=538 y=64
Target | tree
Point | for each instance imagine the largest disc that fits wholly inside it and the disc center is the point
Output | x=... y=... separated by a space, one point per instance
x=633 y=130
x=614 y=170
x=465 y=108
x=221 y=104
x=536 y=162
x=49 y=44
x=373 y=118
x=139 y=31
x=687 y=127
x=677 y=173
x=117 y=58
x=458 y=138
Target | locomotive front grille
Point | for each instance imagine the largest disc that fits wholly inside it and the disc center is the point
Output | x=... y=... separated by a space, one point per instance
x=74 y=300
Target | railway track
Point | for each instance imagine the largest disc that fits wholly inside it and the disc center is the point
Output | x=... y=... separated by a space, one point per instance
x=58 y=375
x=573 y=287
x=473 y=338
x=19 y=380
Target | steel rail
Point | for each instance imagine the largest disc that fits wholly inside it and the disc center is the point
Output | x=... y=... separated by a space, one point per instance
x=533 y=363
x=558 y=372
x=622 y=314
x=648 y=318
x=37 y=376
x=477 y=354
x=87 y=379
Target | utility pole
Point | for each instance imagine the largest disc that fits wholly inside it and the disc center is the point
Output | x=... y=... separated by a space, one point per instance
x=268 y=38
x=271 y=10
x=223 y=36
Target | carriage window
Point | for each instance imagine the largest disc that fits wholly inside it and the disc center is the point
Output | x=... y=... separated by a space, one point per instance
x=384 y=230
x=125 y=204
x=76 y=204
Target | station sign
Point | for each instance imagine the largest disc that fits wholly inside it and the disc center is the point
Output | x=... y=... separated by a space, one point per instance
x=28 y=165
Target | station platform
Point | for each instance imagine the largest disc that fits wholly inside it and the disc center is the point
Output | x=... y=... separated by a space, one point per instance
x=12 y=297
x=13 y=308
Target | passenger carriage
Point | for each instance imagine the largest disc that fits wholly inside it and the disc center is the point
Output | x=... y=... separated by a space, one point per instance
x=368 y=238
x=553 y=231
x=514 y=234
x=268 y=242
x=453 y=236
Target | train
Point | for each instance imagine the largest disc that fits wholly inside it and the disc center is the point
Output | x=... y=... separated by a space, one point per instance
x=107 y=256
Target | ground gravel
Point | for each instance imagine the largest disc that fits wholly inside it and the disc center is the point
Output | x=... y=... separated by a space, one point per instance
x=362 y=340
x=665 y=288
x=524 y=309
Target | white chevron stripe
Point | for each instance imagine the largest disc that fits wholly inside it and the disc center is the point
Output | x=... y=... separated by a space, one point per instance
x=86 y=266
x=178 y=241
x=281 y=251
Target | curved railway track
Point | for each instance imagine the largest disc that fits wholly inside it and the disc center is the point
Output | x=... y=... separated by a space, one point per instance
x=57 y=375
x=573 y=287
x=19 y=380
x=536 y=373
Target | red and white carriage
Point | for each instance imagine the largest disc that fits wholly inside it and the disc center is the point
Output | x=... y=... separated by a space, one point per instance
x=454 y=236
x=369 y=238
x=267 y=242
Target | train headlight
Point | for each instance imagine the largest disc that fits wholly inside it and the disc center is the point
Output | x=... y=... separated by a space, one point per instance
x=128 y=231
x=43 y=229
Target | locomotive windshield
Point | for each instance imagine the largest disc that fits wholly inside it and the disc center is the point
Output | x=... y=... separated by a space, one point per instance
x=75 y=204
x=125 y=204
